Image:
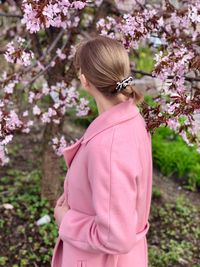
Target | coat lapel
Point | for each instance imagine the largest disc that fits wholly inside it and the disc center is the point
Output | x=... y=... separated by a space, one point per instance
x=116 y=114
x=70 y=151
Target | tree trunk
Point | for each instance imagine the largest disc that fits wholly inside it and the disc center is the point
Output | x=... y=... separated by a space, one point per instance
x=51 y=183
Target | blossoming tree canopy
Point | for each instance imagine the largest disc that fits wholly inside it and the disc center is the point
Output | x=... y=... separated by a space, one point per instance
x=31 y=23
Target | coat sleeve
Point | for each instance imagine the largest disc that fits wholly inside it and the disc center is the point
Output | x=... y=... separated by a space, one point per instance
x=112 y=172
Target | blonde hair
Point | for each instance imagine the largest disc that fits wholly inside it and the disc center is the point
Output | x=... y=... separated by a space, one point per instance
x=104 y=62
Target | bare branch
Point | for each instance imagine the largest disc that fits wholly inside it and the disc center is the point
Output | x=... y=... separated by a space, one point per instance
x=47 y=66
x=52 y=46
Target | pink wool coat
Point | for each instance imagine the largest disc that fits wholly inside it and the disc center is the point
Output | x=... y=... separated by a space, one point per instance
x=108 y=187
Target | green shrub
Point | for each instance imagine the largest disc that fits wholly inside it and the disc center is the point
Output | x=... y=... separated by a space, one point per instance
x=173 y=156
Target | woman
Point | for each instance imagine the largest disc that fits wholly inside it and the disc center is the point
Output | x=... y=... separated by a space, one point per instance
x=103 y=213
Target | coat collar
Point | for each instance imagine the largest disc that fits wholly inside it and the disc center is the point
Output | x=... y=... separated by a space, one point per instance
x=114 y=115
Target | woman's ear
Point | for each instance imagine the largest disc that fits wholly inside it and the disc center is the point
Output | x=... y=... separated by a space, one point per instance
x=84 y=81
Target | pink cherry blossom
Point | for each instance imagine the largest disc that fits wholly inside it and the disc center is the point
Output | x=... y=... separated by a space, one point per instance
x=15 y=53
x=60 y=54
x=36 y=110
x=52 y=14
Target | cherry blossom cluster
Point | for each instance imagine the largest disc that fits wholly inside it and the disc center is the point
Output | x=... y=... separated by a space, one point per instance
x=60 y=54
x=194 y=12
x=170 y=110
x=8 y=85
x=176 y=63
x=177 y=33
x=10 y=123
x=181 y=107
x=174 y=124
x=180 y=26
x=131 y=28
x=39 y=14
x=63 y=96
x=17 y=52
x=59 y=145
x=180 y=110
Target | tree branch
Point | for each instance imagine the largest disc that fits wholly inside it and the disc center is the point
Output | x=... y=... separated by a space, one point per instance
x=49 y=49
x=48 y=65
x=190 y=79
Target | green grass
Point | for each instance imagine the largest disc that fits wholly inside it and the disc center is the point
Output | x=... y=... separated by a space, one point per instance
x=143 y=60
x=23 y=243
x=174 y=233
x=173 y=156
